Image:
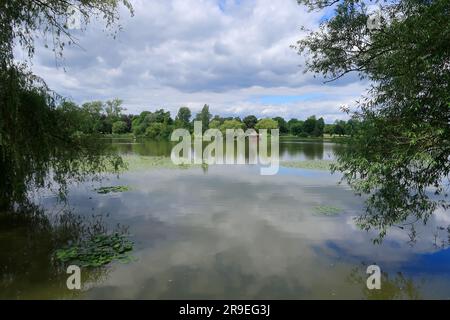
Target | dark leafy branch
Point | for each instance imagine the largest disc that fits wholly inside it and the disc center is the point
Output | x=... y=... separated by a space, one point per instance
x=400 y=156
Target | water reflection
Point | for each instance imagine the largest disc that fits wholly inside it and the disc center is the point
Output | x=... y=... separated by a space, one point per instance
x=290 y=149
x=236 y=234
x=232 y=233
x=29 y=239
x=395 y=287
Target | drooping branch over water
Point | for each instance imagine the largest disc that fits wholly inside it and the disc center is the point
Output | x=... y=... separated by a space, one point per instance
x=400 y=156
x=37 y=143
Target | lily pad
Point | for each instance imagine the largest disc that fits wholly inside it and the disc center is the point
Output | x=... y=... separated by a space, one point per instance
x=308 y=164
x=327 y=210
x=97 y=251
x=114 y=189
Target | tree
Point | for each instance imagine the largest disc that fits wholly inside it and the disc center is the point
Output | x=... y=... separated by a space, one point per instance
x=231 y=124
x=183 y=118
x=73 y=111
x=297 y=129
x=141 y=122
x=352 y=126
x=250 y=122
x=127 y=118
x=266 y=123
x=204 y=116
x=309 y=125
x=161 y=116
x=402 y=147
x=158 y=131
x=318 y=128
x=119 y=127
x=214 y=124
x=291 y=123
x=113 y=109
x=36 y=136
x=282 y=125
x=329 y=129
x=339 y=127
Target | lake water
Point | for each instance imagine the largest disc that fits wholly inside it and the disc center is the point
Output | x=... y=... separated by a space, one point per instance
x=228 y=232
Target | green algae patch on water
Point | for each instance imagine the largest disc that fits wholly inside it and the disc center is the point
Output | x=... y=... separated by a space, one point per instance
x=112 y=189
x=329 y=211
x=308 y=164
x=97 y=251
x=136 y=163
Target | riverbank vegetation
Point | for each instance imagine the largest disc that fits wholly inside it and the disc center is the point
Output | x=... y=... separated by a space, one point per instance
x=108 y=118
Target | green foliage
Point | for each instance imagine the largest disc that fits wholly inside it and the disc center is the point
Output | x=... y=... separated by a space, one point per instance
x=214 y=124
x=309 y=125
x=204 y=116
x=112 y=189
x=308 y=164
x=339 y=127
x=266 y=123
x=21 y=21
x=231 y=124
x=250 y=122
x=38 y=138
x=295 y=127
x=35 y=236
x=140 y=123
x=155 y=125
x=282 y=125
x=158 y=131
x=399 y=154
x=113 y=109
x=119 y=127
x=97 y=251
x=318 y=128
x=161 y=116
x=327 y=210
x=97 y=117
x=136 y=163
x=183 y=118
x=394 y=287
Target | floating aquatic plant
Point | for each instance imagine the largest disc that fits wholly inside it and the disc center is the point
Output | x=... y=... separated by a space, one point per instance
x=114 y=189
x=136 y=163
x=308 y=164
x=327 y=210
x=97 y=251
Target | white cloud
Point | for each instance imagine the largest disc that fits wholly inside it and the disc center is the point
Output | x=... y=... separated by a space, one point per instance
x=224 y=53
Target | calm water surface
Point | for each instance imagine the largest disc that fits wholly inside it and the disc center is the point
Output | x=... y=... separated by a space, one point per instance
x=228 y=232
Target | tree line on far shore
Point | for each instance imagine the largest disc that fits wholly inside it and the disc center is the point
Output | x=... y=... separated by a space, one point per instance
x=108 y=117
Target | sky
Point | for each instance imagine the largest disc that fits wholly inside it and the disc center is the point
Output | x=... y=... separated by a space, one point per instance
x=234 y=55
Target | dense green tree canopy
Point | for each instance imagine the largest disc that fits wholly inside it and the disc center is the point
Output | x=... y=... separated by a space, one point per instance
x=183 y=118
x=282 y=125
x=250 y=121
x=231 y=124
x=266 y=123
x=204 y=116
x=119 y=127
